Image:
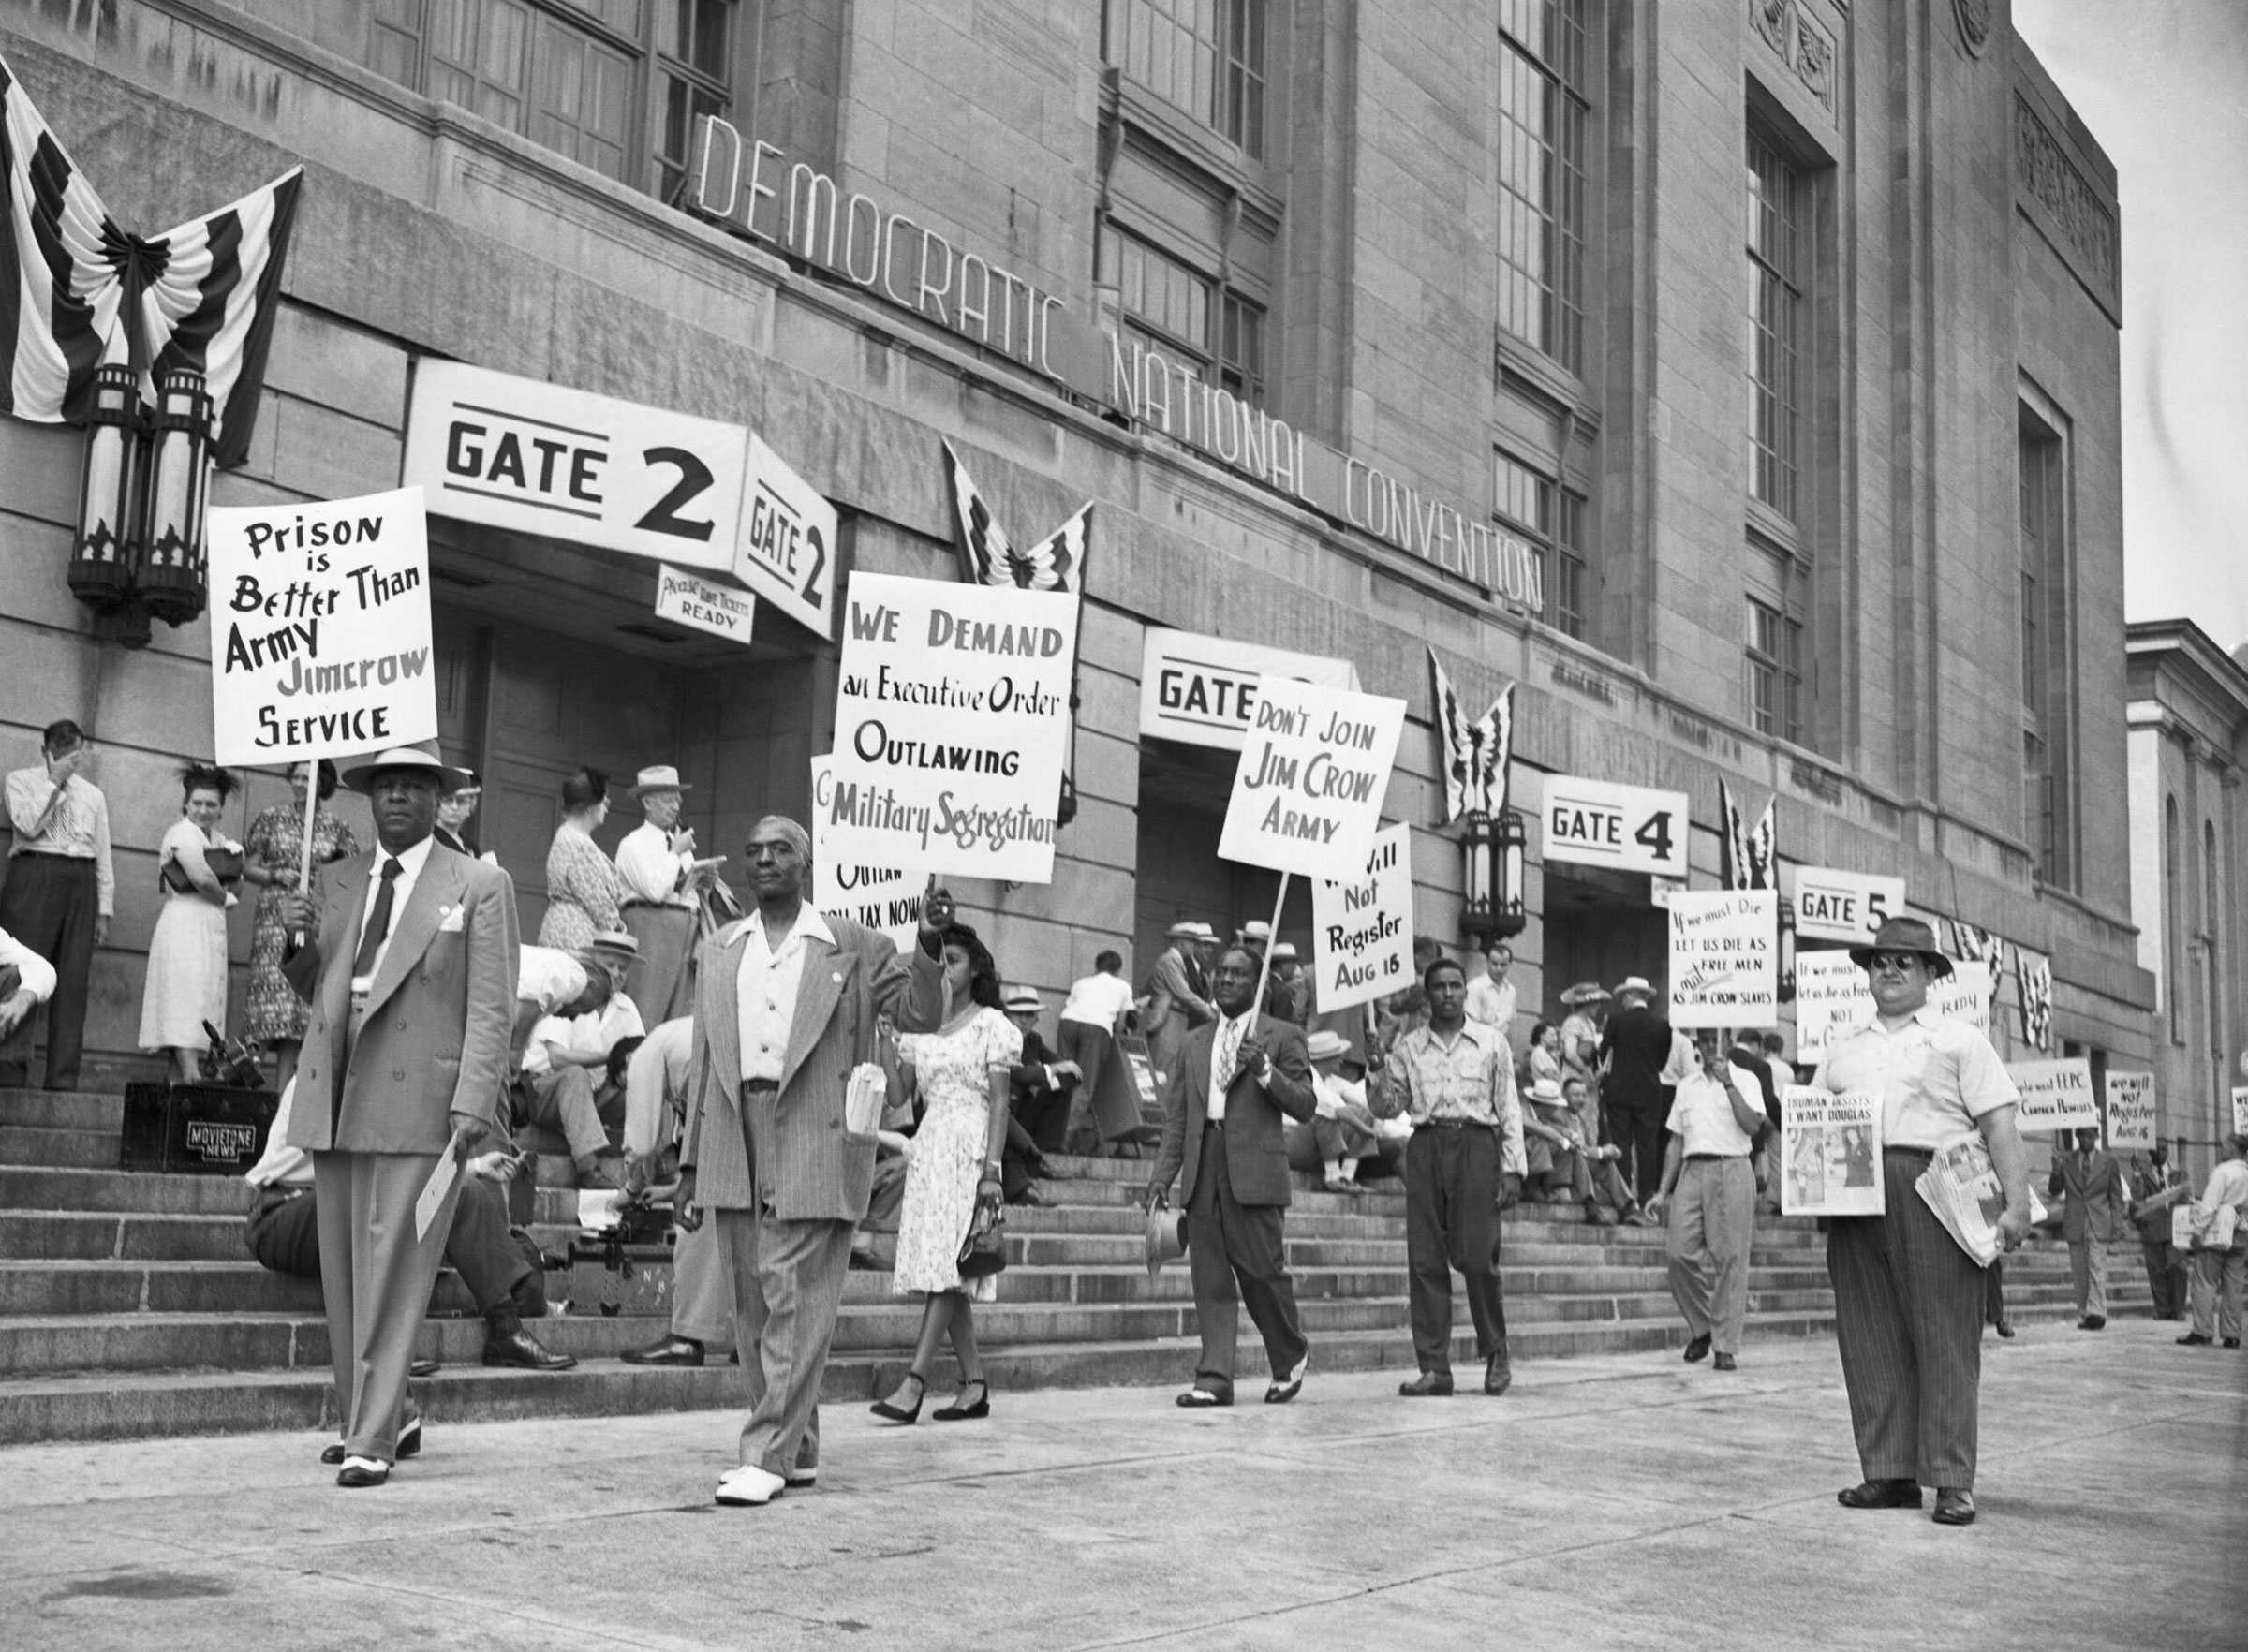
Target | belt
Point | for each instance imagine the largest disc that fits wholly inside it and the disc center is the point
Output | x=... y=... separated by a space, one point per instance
x=1924 y=1154
x=760 y=1087
x=1706 y=1158
x=50 y=855
x=1452 y=1124
x=268 y=1196
x=641 y=903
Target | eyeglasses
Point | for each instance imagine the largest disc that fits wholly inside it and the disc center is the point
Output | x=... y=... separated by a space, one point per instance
x=1895 y=962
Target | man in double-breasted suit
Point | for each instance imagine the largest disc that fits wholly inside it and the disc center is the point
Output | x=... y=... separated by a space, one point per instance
x=786 y=1002
x=2096 y=1195
x=409 y=968
x=1231 y=1085
x=1174 y=1005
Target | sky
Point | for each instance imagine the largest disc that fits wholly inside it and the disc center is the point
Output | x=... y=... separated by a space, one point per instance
x=2164 y=86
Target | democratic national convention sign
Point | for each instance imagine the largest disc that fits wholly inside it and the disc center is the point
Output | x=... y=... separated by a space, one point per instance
x=1833 y=905
x=878 y=897
x=951 y=726
x=2055 y=1096
x=1309 y=790
x=1201 y=691
x=1831 y=1153
x=2130 y=1111
x=1724 y=957
x=320 y=629
x=1624 y=828
x=1362 y=929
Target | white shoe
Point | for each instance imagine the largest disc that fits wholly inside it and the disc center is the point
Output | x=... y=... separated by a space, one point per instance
x=749 y=1486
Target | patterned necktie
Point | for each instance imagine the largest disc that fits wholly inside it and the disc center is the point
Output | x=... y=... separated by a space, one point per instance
x=379 y=920
x=1231 y=1039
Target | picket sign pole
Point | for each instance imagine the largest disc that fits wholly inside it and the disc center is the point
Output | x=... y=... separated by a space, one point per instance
x=311 y=812
x=1272 y=940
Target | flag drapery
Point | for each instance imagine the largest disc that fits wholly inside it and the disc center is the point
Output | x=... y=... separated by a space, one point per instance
x=1748 y=860
x=1055 y=563
x=1475 y=755
x=1973 y=945
x=78 y=290
x=2034 y=976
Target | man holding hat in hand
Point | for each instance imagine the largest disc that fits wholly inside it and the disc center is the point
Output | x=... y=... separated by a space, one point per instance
x=409 y=961
x=1908 y=1302
x=657 y=861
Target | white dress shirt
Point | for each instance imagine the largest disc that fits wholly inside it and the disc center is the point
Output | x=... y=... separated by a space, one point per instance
x=78 y=828
x=765 y=992
x=411 y=862
x=37 y=974
x=651 y=868
x=656 y=1086
x=1936 y=1077
x=548 y=978
x=1097 y=1000
x=596 y=1029
x=1701 y=1115
x=1492 y=1003
x=281 y=1165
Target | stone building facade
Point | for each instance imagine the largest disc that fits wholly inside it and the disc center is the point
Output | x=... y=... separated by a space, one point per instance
x=1738 y=378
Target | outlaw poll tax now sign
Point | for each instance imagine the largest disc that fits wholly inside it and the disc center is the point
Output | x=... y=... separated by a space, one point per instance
x=1308 y=789
x=951 y=726
x=1362 y=930
x=320 y=629
x=1624 y=828
x=878 y=897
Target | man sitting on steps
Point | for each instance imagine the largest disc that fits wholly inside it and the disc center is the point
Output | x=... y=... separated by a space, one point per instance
x=284 y=1234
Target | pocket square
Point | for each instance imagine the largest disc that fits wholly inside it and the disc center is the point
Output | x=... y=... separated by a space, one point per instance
x=452 y=919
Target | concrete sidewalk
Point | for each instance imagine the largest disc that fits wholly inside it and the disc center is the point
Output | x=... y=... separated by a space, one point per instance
x=1625 y=1501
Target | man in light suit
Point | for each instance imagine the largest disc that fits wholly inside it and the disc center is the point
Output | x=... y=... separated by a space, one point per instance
x=409 y=968
x=1230 y=1086
x=1174 y=1006
x=2096 y=1195
x=786 y=1002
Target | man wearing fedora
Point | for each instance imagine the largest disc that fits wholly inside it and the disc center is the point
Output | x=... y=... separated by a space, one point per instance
x=455 y=810
x=656 y=860
x=409 y=969
x=1908 y=1302
x=1175 y=1005
x=1634 y=1100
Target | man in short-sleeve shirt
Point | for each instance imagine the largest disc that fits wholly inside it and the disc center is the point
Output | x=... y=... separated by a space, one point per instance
x=1908 y=1301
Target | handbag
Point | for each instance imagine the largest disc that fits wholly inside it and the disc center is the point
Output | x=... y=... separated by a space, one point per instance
x=224 y=864
x=983 y=1252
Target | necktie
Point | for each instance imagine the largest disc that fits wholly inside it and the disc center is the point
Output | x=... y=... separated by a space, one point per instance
x=1232 y=1036
x=379 y=920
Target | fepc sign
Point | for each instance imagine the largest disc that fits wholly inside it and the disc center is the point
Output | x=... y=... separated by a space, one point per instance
x=544 y=458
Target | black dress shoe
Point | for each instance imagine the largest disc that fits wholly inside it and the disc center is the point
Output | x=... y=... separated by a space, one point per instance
x=332 y=1455
x=1199 y=1398
x=1881 y=1494
x=2193 y=1339
x=1498 y=1374
x=1427 y=1385
x=2092 y=1322
x=423 y=1368
x=666 y=1351
x=528 y=1354
x=1697 y=1347
x=409 y=1439
x=2005 y=1327
x=1288 y=1387
x=1955 y=1507
x=2232 y=1342
x=1724 y=1362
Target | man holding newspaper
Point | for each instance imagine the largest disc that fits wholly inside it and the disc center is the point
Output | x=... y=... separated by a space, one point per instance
x=1908 y=1295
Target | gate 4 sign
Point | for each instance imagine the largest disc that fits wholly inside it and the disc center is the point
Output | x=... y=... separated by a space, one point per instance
x=1625 y=828
x=542 y=459
x=1361 y=931
x=2130 y=1111
x=1832 y=905
x=2055 y=1096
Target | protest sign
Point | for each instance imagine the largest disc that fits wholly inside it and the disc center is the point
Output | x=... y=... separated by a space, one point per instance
x=1832 y=999
x=1314 y=770
x=2130 y=1111
x=1829 y=1152
x=706 y=605
x=1724 y=957
x=1624 y=828
x=2055 y=1096
x=1964 y=996
x=1362 y=930
x=951 y=725
x=320 y=629
x=1834 y=905
x=879 y=897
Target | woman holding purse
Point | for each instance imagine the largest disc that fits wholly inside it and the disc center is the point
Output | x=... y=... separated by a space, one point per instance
x=187 y=984
x=962 y=1072
x=2213 y=1288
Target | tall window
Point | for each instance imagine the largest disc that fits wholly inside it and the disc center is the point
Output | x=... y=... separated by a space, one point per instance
x=1775 y=671
x=1776 y=311
x=1542 y=123
x=2213 y=973
x=1552 y=519
x=1172 y=308
x=2173 y=920
x=2046 y=676
x=618 y=85
x=1206 y=57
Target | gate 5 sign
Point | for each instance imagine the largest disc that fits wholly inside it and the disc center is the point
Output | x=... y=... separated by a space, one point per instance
x=542 y=459
x=1624 y=828
x=1832 y=905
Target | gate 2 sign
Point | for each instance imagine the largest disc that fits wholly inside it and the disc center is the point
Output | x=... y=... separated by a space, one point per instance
x=1624 y=828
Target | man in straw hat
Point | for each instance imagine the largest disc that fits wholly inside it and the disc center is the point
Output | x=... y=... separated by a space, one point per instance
x=1908 y=1302
x=1176 y=1006
x=1635 y=1049
x=410 y=973
x=656 y=860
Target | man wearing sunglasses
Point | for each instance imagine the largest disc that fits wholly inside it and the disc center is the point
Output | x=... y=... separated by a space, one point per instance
x=1908 y=1302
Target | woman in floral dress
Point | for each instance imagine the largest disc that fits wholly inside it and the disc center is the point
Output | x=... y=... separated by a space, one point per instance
x=272 y=853
x=962 y=1072
x=585 y=892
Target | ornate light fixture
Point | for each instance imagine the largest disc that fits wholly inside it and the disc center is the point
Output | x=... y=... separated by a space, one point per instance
x=106 y=551
x=1787 y=950
x=179 y=483
x=1492 y=856
x=1514 y=854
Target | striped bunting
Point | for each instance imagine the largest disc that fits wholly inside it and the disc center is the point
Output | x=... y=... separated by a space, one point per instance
x=1055 y=562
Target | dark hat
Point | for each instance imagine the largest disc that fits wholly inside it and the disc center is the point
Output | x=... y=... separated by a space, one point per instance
x=1903 y=934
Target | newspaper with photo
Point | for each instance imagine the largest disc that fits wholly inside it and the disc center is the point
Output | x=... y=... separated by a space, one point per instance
x=1829 y=1152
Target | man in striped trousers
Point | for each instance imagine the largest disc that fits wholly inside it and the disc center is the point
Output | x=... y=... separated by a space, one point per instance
x=1908 y=1302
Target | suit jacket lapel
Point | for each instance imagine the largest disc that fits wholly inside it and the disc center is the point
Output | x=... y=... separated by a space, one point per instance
x=439 y=885
x=819 y=989
x=721 y=996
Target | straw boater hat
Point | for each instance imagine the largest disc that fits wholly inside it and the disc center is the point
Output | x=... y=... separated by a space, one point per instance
x=1547 y=1092
x=615 y=943
x=1583 y=993
x=1283 y=952
x=1632 y=984
x=421 y=756
x=1185 y=929
x=1257 y=930
x=1023 y=999
x=1326 y=1045
x=661 y=778
x=1166 y=1238
x=1903 y=934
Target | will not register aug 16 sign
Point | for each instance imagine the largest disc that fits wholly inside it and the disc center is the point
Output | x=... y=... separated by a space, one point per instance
x=320 y=629
x=1362 y=930
x=951 y=726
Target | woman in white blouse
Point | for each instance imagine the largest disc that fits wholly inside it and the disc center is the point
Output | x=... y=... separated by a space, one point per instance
x=187 y=983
